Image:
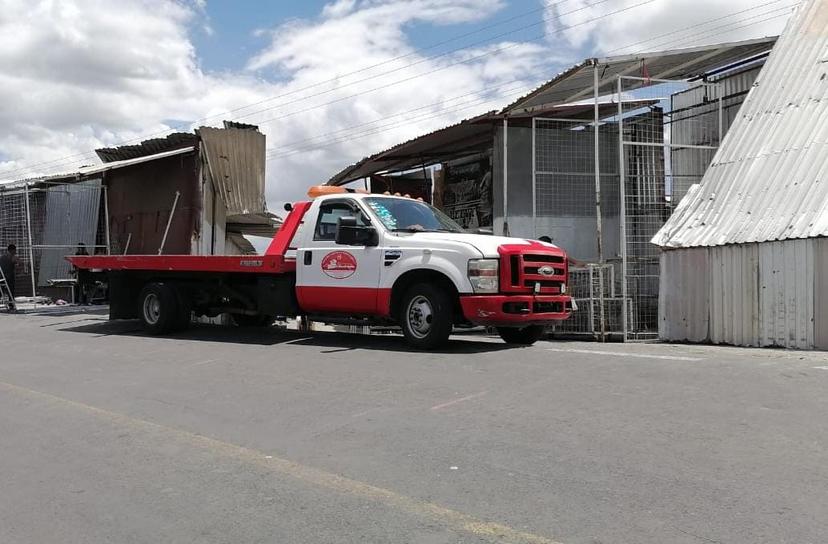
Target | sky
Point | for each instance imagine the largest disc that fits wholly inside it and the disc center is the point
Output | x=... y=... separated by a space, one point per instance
x=327 y=82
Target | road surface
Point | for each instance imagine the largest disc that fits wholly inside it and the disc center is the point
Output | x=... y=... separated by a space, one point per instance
x=237 y=435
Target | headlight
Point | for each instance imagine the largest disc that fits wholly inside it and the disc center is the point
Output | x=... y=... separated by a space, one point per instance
x=483 y=275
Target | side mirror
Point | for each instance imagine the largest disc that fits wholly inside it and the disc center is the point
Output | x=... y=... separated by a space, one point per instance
x=348 y=233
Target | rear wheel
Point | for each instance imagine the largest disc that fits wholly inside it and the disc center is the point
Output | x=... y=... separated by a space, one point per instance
x=159 y=308
x=525 y=336
x=426 y=316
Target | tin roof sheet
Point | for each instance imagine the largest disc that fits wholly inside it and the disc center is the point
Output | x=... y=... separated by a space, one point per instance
x=769 y=179
x=236 y=162
x=577 y=83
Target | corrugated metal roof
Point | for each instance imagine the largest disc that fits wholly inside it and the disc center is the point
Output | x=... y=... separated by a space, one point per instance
x=147 y=147
x=86 y=171
x=236 y=162
x=576 y=83
x=769 y=179
x=464 y=137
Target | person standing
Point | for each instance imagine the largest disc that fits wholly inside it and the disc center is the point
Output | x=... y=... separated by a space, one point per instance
x=8 y=262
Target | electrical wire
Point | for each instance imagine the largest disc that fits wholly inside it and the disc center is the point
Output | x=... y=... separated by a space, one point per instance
x=729 y=28
x=91 y=154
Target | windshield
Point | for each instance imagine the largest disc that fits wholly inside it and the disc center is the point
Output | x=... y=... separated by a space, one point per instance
x=403 y=215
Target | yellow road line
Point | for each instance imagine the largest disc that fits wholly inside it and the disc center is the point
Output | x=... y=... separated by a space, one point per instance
x=320 y=478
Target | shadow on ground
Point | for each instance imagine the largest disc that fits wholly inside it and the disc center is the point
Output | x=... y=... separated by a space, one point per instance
x=336 y=342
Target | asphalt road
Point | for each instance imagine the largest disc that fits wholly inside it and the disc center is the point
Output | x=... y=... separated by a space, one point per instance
x=240 y=436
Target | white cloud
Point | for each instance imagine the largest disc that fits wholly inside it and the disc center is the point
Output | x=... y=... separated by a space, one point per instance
x=80 y=74
x=668 y=21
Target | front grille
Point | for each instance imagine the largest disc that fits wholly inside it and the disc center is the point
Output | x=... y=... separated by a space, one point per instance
x=543 y=259
x=522 y=273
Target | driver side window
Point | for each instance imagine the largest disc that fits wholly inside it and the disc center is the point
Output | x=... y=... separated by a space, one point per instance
x=329 y=214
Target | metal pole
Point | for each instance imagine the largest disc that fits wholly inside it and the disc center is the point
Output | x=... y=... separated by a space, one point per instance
x=505 y=176
x=106 y=214
x=31 y=248
x=126 y=247
x=591 y=301
x=623 y=215
x=598 y=219
x=534 y=186
x=169 y=221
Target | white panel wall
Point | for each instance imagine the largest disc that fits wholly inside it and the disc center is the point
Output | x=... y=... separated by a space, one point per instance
x=683 y=303
x=734 y=301
x=786 y=294
x=821 y=293
x=768 y=294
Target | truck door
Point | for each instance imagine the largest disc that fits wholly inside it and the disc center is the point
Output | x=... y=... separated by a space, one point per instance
x=334 y=278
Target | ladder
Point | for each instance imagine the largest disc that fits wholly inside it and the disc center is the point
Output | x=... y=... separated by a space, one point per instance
x=5 y=293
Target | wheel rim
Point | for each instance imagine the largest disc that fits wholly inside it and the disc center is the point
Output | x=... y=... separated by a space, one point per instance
x=420 y=315
x=152 y=308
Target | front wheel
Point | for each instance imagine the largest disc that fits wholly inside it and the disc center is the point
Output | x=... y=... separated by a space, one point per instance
x=525 y=336
x=426 y=316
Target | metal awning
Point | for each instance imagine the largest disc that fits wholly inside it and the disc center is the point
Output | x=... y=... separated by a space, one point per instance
x=577 y=83
x=569 y=96
x=464 y=138
x=87 y=171
x=256 y=224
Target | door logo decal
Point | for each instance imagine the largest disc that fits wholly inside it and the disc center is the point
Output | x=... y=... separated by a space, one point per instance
x=339 y=265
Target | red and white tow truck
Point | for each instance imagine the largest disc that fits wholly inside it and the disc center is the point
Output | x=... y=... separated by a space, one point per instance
x=351 y=257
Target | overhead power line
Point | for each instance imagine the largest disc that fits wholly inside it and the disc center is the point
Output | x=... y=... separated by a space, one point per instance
x=293 y=149
x=185 y=126
x=560 y=30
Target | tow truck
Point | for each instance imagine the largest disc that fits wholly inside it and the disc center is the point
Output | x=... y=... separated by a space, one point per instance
x=351 y=257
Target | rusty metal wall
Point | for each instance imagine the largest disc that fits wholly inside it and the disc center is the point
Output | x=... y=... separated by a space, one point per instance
x=141 y=199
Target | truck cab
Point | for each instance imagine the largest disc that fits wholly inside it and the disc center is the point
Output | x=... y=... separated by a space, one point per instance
x=401 y=260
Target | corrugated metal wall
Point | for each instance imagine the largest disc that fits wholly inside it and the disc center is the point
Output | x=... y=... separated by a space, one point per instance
x=733 y=293
x=821 y=293
x=684 y=318
x=786 y=293
x=769 y=294
x=71 y=218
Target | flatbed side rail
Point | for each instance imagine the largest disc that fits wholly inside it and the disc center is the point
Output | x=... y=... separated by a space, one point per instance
x=251 y=264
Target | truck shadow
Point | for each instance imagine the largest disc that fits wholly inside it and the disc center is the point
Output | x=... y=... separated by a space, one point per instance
x=273 y=336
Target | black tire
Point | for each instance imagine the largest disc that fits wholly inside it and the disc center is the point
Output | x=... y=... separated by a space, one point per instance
x=426 y=315
x=244 y=320
x=524 y=337
x=158 y=308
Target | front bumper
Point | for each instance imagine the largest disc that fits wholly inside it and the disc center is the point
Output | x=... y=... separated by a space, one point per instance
x=515 y=310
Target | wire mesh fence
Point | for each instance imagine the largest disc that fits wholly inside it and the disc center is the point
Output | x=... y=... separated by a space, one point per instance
x=46 y=222
x=655 y=138
x=663 y=150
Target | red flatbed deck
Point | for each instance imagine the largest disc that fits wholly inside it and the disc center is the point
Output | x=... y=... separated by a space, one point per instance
x=249 y=264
